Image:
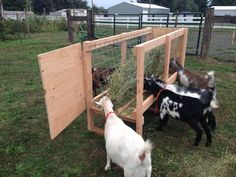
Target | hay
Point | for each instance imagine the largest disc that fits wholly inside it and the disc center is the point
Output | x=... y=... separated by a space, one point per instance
x=154 y=62
x=122 y=83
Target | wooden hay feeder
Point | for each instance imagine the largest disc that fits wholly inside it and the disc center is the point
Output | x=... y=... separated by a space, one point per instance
x=67 y=76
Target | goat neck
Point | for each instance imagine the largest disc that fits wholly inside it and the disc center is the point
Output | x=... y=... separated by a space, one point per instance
x=107 y=108
x=179 y=67
x=175 y=65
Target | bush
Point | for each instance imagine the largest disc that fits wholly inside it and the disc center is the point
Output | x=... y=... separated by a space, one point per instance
x=11 y=29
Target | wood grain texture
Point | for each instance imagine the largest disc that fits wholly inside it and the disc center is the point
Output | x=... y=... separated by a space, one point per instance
x=63 y=82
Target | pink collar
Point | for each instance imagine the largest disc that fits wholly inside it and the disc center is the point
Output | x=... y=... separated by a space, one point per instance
x=157 y=96
x=108 y=114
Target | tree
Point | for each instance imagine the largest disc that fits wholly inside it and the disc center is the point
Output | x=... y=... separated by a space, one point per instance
x=184 y=5
x=39 y=6
x=14 y=4
x=99 y=9
x=202 y=5
x=53 y=5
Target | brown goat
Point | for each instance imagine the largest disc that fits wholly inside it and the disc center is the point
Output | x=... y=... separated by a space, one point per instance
x=100 y=76
x=190 y=79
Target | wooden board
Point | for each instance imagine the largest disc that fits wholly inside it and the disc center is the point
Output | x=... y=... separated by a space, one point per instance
x=157 y=32
x=63 y=82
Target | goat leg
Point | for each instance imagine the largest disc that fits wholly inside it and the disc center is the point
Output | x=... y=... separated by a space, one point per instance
x=163 y=122
x=207 y=131
x=211 y=120
x=108 y=165
x=197 y=129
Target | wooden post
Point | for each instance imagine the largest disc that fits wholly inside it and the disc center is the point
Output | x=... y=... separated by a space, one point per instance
x=114 y=24
x=233 y=37
x=74 y=22
x=70 y=30
x=27 y=22
x=207 y=30
x=139 y=90
x=2 y=12
x=167 y=20
x=123 y=46
x=87 y=66
x=167 y=57
x=184 y=45
x=176 y=20
x=90 y=25
x=44 y=12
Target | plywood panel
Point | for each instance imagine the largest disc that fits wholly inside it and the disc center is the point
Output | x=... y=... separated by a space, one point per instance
x=63 y=82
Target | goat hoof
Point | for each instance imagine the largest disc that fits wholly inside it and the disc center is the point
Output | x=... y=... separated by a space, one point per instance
x=207 y=144
x=213 y=129
x=107 y=168
x=159 y=129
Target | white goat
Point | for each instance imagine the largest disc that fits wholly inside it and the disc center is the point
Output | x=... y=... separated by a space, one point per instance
x=124 y=146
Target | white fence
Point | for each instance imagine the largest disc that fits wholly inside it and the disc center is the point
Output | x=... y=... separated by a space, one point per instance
x=188 y=21
x=161 y=21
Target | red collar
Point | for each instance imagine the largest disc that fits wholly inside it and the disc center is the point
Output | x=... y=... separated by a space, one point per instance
x=158 y=94
x=108 y=114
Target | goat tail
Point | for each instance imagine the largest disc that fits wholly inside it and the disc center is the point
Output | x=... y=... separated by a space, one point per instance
x=210 y=76
x=214 y=102
x=147 y=148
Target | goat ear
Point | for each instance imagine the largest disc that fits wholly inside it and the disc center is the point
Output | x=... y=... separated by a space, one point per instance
x=98 y=103
x=142 y=156
x=178 y=59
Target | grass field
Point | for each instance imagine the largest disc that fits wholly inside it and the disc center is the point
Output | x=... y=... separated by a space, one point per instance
x=26 y=149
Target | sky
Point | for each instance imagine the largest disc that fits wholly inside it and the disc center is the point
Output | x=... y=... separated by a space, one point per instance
x=106 y=3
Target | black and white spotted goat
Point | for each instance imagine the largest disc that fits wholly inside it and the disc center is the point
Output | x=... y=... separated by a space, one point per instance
x=190 y=105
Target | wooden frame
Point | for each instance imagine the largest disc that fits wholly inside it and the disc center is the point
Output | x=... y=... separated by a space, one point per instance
x=82 y=66
x=139 y=52
x=88 y=47
x=143 y=105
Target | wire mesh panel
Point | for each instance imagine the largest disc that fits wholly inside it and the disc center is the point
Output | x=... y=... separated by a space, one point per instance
x=105 y=61
x=110 y=72
x=193 y=41
x=154 y=61
x=223 y=44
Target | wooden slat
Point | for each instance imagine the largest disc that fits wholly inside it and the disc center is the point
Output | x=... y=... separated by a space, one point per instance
x=176 y=34
x=149 y=45
x=157 y=32
x=121 y=109
x=172 y=78
x=167 y=57
x=87 y=66
x=96 y=98
x=63 y=83
x=117 y=38
x=184 y=45
x=148 y=102
x=139 y=90
x=128 y=118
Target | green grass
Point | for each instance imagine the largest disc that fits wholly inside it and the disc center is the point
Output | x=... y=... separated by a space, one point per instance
x=26 y=149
